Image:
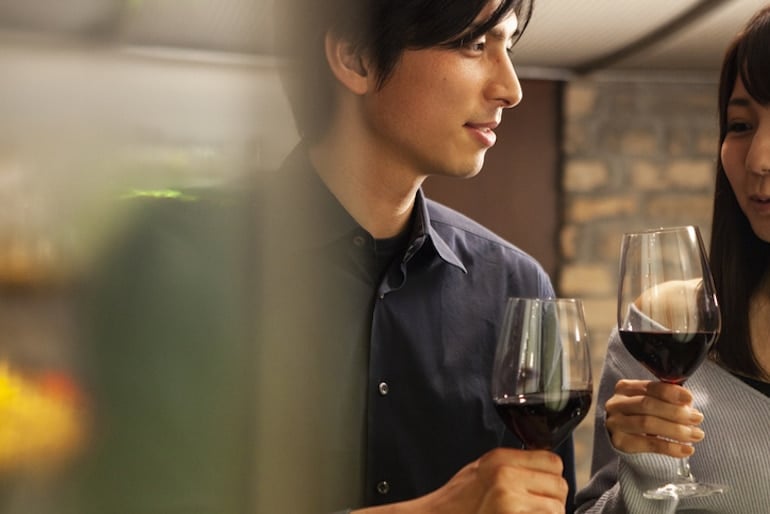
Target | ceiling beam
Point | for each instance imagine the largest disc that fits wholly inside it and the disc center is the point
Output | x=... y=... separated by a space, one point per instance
x=653 y=37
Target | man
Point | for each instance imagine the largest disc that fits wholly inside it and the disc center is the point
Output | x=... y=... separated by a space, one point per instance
x=409 y=300
x=325 y=341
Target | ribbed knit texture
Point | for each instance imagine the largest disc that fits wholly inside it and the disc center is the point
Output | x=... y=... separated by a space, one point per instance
x=735 y=451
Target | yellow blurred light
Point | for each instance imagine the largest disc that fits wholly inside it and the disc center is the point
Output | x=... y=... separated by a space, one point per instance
x=39 y=427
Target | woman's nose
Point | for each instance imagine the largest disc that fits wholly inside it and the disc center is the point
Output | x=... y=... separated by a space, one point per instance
x=758 y=158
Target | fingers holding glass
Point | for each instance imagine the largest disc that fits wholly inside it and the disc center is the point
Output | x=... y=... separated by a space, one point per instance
x=640 y=423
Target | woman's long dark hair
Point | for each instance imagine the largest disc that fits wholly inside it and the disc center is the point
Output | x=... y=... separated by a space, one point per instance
x=739 y=259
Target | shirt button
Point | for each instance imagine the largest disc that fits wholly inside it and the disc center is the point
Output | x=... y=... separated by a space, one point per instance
x=383 y=388
x=359 y=241
x=383 y=487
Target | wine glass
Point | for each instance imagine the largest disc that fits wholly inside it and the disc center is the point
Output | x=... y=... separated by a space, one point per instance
x=668 y=317
x=541 y=377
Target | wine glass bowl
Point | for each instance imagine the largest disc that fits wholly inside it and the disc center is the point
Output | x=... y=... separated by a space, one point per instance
x=541 y=378
x=668 y=317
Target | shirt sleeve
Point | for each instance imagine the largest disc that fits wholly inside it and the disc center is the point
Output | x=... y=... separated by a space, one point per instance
x=619 y=479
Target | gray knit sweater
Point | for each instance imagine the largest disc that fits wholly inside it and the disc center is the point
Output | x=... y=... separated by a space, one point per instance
x=735 y=452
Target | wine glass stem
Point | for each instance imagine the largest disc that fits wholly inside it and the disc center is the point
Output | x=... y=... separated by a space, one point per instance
x=683 y=472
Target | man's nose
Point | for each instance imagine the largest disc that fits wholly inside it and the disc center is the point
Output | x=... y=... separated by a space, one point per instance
x=507 y=88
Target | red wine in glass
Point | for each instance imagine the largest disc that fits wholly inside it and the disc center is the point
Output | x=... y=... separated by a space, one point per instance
x=541 y=379
x=670 y=357
x=542 y=421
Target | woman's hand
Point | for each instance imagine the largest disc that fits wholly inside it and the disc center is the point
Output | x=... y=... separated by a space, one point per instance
x=649 y=416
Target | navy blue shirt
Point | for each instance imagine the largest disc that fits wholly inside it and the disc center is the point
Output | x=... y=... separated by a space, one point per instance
x=413 y=340
x=269 y=355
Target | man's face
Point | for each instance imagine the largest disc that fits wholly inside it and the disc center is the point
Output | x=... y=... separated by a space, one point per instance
x=436 y=114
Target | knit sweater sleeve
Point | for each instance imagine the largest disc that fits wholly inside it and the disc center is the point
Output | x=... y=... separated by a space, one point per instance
x=618 y=479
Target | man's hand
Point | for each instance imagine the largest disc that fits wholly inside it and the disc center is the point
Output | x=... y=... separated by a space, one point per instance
x=503 y=481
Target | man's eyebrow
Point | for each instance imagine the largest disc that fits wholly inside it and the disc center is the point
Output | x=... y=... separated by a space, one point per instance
x=495 y=32
x=499 y=34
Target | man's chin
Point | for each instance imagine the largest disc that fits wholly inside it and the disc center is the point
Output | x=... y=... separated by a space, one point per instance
x=471 y=173
x=460 y=168
x=475 y=168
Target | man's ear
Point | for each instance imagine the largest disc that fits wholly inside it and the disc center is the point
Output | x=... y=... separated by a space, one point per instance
x=347 y=64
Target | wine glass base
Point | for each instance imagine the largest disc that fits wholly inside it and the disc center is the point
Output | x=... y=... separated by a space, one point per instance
x=684 y=490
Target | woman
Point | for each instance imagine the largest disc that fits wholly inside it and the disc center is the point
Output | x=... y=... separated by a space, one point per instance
x=644 y=426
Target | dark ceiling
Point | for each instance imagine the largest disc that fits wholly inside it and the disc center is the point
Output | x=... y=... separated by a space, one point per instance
x=565 y=36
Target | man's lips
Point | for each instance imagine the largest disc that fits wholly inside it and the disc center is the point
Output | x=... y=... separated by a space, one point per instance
x=484 y=132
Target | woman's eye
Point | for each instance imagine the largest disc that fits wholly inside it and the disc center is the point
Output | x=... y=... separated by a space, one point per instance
x=738 y=126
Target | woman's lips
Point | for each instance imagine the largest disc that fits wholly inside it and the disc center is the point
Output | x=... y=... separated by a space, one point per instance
x=760 y=203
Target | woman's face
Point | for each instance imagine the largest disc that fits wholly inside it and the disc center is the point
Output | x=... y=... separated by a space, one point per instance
x=746 y=157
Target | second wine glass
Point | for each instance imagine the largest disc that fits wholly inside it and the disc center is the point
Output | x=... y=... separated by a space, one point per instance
x=541 y=378
x=668 y=317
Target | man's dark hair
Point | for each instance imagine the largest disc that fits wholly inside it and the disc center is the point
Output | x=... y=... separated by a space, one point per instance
x=379 y=29
x=739 y=258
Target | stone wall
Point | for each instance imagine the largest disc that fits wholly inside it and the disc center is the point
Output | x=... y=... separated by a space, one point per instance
x=635 y=155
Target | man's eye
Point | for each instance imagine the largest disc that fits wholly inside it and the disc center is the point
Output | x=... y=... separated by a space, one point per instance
x=476 y=46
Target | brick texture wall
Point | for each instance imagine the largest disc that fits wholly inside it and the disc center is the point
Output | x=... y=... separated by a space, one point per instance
x=635 y=155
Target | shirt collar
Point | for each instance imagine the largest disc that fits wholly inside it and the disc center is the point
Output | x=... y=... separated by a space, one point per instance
x=326 y=221
x=423 y=229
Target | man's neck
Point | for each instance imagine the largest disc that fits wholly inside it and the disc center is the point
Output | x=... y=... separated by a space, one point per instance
x=374 y=191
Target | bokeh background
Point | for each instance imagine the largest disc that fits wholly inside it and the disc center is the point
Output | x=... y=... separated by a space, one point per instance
x=106 y=100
